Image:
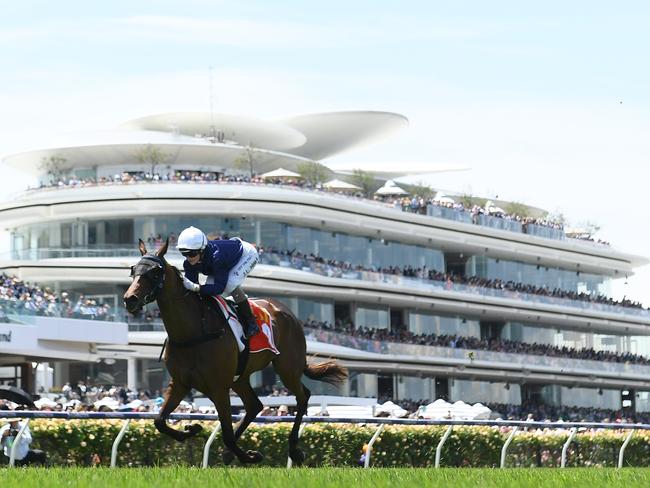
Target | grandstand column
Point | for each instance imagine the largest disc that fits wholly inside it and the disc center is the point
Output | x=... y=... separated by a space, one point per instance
x=132 y=374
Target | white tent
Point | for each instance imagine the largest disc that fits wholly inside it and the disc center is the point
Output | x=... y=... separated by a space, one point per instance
x=390 y=188
x=340 y=185
x=459 y=410
x=281 y=173
x=442 y=198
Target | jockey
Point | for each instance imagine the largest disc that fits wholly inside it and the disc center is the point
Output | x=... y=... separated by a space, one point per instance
x=226 y=263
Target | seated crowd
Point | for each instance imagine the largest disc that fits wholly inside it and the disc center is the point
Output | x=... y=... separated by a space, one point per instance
x=17 y=296
x=472 y=343
x=300 y=260
x=414 y=204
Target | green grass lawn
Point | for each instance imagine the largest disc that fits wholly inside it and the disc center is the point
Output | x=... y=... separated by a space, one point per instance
x=322 y=477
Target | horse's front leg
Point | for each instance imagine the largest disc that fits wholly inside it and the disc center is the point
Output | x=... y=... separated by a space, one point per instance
x=173 y=396
x=252 y=405
x=221 y=400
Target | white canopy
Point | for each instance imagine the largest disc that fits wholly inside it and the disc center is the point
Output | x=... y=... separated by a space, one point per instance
x=390 y=188
x=340 y=185
x=442 y=198
x=459 y=410
x=281 y=173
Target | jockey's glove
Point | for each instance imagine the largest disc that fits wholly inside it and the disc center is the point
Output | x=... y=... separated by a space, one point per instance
x=190 y=285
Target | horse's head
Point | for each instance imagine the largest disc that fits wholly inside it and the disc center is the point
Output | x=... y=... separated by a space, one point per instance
x=148 y=277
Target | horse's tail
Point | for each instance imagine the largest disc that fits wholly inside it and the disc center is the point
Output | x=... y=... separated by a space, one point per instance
x=330 y=372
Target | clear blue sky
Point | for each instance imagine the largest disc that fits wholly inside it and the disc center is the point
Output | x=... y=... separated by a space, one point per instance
x=547 y=102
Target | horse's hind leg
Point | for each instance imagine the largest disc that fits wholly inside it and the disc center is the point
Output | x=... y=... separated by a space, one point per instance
x=292 y=380
x=173 y=396
x=252 y=405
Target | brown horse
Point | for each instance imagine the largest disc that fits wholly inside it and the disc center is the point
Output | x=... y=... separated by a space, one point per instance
x=202 y=353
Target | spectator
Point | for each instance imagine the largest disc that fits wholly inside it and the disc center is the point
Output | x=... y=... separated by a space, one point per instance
x=24 y=455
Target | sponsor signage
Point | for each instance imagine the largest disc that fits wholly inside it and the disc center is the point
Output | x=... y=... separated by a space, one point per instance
x=17 y=337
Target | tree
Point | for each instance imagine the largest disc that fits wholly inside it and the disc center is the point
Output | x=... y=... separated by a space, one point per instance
x=314 y=173
x=53 y=167
x=420 y=189
x=152 y=156
x=246 y=160
x=364 y=180
x=469 y=201
x=517 y=208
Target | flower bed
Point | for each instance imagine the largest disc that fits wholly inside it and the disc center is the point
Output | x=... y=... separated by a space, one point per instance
x=88 y=442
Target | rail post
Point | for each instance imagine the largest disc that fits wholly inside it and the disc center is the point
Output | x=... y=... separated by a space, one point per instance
x=621 y=453
x=289 y=460
x=116 y=442
x=442 y=443
x=14 y=446
x=366 y=462
x=208 y=444
x=565 y=448
x=504 y=449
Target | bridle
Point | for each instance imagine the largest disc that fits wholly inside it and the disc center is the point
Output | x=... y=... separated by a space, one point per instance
x=145 y=267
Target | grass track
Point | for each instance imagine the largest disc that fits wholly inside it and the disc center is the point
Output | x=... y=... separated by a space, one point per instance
x=322 y=477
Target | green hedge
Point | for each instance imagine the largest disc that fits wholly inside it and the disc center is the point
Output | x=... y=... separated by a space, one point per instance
x=88 y=442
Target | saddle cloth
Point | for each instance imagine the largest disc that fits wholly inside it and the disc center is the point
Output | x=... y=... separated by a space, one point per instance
x=263 y=340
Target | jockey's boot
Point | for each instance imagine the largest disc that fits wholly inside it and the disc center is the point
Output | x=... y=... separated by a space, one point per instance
x=247 y=319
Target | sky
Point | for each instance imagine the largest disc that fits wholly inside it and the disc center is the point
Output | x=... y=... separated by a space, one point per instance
x=547 y=103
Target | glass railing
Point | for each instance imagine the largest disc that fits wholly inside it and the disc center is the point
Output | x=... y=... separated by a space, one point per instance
x=432 y=210
x=398 y=281
x=12 y=310
x=324 y=269
x=566 y=365
x=546 y=232
x=105 y=251
x=497 y=223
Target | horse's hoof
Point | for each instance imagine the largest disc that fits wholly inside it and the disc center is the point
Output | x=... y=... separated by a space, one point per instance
x=227 y=456
x=253 y=457
x=193 y=429
x=297 y=456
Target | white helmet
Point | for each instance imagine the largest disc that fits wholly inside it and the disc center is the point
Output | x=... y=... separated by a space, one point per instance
x=192 y=239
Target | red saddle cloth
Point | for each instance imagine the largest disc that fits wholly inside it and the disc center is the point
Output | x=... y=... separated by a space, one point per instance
x=263 y=340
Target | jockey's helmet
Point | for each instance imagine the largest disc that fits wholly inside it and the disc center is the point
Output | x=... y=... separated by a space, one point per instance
x=191 y=241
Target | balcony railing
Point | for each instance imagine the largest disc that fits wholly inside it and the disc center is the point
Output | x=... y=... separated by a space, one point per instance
x=566 y=365
x=443 y=212
x=427 y=285
x=324 y=269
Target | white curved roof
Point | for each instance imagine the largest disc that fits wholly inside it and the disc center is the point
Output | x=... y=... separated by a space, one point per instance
x=242 y=130
x=185 y=137
x=334 y=132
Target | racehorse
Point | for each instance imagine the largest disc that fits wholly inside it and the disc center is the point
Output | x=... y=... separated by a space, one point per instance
x=207 y=361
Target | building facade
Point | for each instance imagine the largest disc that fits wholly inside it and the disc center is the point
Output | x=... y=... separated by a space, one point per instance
x=332 y=259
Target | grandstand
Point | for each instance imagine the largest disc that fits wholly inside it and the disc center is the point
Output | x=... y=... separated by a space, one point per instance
x=420 y=296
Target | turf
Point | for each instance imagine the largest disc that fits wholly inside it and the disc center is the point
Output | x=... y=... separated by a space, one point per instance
x=322 y=477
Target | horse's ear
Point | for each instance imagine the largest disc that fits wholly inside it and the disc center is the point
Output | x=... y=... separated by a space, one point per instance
x=142 y=247
x=163 y=249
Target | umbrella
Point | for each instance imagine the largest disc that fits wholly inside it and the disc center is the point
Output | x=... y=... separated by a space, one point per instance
x=340 y=185
x=281 y=173
x=390 y=188
x=16 y=395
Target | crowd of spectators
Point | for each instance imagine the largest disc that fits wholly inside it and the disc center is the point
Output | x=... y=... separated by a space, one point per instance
x=419 y=205
x=471 y=343
x=301 y=260
x=412 y=203
x=82 y=397
x=16 y=296
x=541 y=412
